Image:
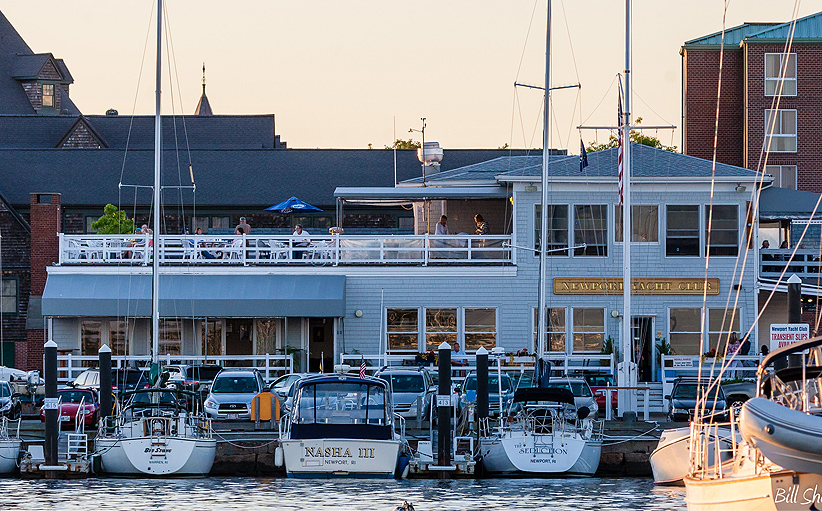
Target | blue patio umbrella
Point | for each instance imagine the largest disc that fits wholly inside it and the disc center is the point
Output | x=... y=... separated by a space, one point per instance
x=291 y=205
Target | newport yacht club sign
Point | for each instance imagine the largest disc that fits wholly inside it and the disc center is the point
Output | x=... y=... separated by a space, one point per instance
x=641 y=286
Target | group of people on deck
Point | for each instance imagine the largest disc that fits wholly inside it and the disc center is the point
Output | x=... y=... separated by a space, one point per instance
x=442 y=226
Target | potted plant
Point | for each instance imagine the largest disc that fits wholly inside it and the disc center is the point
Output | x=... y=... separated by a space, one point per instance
x=608 y=348
x=663 y=347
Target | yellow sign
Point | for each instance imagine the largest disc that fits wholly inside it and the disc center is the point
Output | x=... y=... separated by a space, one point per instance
x=645 y=286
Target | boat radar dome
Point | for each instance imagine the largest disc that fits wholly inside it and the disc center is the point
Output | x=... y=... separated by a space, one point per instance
x=342 y=368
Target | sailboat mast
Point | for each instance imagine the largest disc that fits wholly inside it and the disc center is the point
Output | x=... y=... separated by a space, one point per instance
x=155 y=264
x=543 y=233
x=625 y=374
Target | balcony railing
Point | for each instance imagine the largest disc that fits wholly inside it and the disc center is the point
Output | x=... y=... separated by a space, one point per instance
x=806 y=263
x=265 y=250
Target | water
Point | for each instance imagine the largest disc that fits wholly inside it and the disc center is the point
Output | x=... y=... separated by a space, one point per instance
x=223 y=494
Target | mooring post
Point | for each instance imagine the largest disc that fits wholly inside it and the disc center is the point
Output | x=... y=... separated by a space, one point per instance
x=482 y=383
x=50 y=403
x=444 y=406
x=104 y=356
x=794 y=317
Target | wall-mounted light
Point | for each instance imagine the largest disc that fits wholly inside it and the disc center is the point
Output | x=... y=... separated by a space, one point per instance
x=358 y=313
x=530 y=187
x=740 y=188
x=614 y=313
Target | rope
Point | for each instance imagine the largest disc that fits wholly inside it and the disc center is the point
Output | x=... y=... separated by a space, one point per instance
x=233 y=444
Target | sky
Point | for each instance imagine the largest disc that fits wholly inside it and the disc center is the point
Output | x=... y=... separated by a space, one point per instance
x=359 y=72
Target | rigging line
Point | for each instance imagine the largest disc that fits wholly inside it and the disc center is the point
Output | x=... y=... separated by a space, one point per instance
x=521 y=121
x=169 y=56
x=607 y=92
x=570 y=42
x=652 y=110
x=537 y=124
x=527 y=35
x=513 y=118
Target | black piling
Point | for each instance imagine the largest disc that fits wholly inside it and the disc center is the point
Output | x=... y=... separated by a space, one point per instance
x=482 y=383
x=104 y=355
x=444 y=406
x=50 y=404
x=794 y=314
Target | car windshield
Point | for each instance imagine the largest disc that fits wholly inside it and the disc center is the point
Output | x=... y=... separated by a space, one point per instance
x=127 y=377
x=202 y=373
x=406 y=382
x=688 y=391
x=600 y=380
x=5 y=391
x=577 y=388
x=74 y=396
x=493 y=383
x=524 y=381
x=235 y=385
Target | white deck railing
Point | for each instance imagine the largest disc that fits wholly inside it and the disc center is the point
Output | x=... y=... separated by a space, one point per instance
x=262 y=250
x=70 y=366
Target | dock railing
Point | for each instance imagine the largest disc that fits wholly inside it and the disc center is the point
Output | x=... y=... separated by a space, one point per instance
x=70 y=366
x=260 y=250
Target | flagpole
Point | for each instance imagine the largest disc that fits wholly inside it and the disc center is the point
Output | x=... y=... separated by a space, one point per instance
x=543 y=233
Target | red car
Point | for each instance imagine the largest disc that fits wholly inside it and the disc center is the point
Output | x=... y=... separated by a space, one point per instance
x=70 y=407
x=600 y=381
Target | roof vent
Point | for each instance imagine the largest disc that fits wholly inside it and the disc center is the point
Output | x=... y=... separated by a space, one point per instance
x=112 y=111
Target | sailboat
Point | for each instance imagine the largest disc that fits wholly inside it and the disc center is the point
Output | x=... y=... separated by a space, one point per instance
x=158 y=438
x=9 y=447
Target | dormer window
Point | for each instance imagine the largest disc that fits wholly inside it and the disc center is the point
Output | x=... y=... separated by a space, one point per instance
x=48 y=95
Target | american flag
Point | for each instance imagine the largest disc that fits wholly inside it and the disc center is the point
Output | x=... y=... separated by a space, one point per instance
x=621 y=148
x=362 y=367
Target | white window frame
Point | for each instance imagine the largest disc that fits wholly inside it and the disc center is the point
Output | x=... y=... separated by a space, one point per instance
x=702 y=319
x=643 y=243
x=568 y=223
x=535 y=327
x=570 y=324
x=777 y=125
x=420 y=328
x=781 y=170
x=723 y=336
x=424 y=323
x=14 y=299
x=776 y=79
x=572 y=214
x=461 y=324
x=701 y=219
x=740 y=229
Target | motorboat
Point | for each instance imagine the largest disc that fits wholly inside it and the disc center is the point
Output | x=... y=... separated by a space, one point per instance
x=670 y=460
x=9 y=447
x=341 y=425
x=548 y=436
x=776 y=465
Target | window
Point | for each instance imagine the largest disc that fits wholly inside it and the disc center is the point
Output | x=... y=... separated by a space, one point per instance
x=723 y=227
x=91 y=333
x=644 y=224
x=213 y=222
x=682 y=230
x=266 y=336
x=780 y=70
x=780 y=131
x=212 y=336
x=685 y=331
x=555 y=325
x=557 y=230
x=48 y=95
x=591 y=228
x=440 y=326
x=117 y=336
x=9 y=296
x=221 y=222
x=480 y=328
x=403 y=329
x=589 y=329
x=784 y=176
x=170 y=337
x=720 y=323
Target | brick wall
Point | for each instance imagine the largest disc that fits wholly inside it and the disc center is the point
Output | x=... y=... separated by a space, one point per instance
x=15 y=258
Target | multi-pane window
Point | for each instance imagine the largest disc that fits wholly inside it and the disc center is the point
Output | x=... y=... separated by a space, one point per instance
x=784 y=176
x=440 y=326
x=8 y=296
x=685 y=330
x=212 y=336
x=557 y=238
x=555 y=328
x=780 y=74
x=588 y=329
x=48 y=95
x=720 y=323
x=170 y=337
x=644 y=224
x=780 y=131
x=216 y=222
x=722 y=230
x=117 y=336
x=591 y=229
x=480 y=328
x=403 y=329
x=682 y=230
x=91 y=334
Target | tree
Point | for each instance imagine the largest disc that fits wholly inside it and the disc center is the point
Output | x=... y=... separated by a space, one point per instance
x=503 y=146
x=113 y=221
x=637 y=137
x=404 y=144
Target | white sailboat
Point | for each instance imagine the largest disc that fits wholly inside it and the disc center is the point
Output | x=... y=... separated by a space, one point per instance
x=9 y=447
x=157 y=439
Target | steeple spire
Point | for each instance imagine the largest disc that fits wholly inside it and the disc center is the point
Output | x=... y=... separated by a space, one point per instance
x=203 y=107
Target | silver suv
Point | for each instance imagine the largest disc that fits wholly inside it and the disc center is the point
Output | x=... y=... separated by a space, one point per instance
x=232 y=392
x=410 y=387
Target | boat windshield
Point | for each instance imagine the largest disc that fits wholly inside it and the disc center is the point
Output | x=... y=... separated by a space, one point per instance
x=235 y=385
x=75 y=396
x=493 y=384
x=689 y=392
x=407 y=383
x=341 y=403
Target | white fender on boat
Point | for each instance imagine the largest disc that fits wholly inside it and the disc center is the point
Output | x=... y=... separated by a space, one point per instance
x=278 y=456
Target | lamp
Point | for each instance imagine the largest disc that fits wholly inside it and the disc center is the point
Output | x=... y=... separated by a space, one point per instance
x=530 y=187
x=614 y=313
x=358 y=313
x=740 y=187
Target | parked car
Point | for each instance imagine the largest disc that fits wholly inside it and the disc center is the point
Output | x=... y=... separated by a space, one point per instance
x=599 y=381
x=281 y=387
x=683 y=400
x=232 y=392
x=410 y=387
x=196 y=378
x=76 y=404
x=88 y=379
x=126 y=378
x=583 y=396
x=9 y=401
x=468 y=392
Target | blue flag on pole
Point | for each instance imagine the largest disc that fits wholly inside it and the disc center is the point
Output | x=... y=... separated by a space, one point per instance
x=583 y=156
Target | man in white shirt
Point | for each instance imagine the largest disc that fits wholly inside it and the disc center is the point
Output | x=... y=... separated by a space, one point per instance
x=301 y=239
x=442 y=226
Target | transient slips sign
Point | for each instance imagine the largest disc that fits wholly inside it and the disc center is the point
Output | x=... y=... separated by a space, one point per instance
x=783 y=334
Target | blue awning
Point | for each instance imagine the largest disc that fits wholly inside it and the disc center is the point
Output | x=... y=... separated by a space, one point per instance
x=214 y=296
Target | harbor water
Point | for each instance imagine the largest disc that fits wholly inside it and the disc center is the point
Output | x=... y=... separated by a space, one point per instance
x=342 y=494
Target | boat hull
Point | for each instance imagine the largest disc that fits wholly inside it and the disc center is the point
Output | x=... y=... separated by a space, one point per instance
x=535 y=454
x=782 y=490
x=9 y=454
x=145 y=457
x=336 y=457
x=671 y=459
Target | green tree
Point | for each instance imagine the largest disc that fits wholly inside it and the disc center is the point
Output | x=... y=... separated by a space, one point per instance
x=503 y=146
x=113 y=221
x=637 y=137
x=404 y=144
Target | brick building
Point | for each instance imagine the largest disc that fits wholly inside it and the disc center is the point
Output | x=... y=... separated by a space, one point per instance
x=770 y=100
